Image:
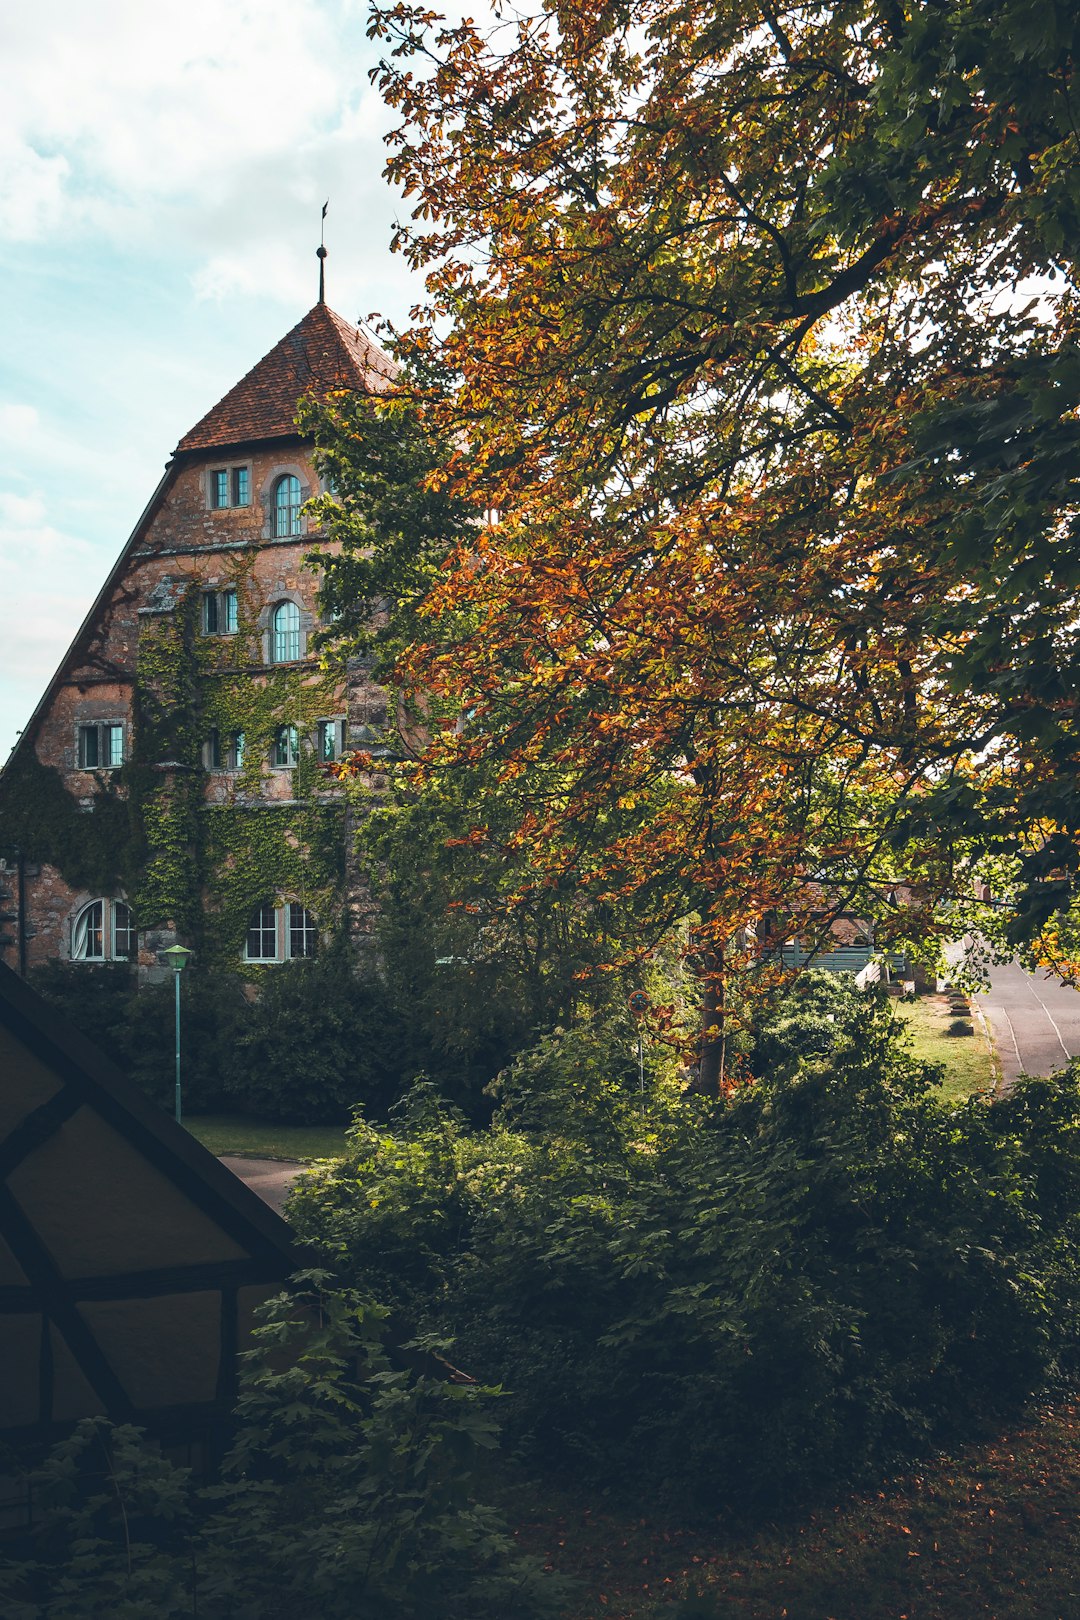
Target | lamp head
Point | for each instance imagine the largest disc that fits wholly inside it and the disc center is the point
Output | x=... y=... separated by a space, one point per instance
x=177 y=956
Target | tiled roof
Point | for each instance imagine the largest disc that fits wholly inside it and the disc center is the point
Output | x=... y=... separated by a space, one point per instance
x=321 y=354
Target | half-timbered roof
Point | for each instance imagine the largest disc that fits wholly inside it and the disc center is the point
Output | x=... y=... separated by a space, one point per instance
x=130 y=1259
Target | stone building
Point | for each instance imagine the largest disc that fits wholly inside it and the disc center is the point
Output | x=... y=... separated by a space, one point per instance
x=168 y=783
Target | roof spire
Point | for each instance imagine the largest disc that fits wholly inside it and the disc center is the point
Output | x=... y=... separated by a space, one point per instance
x=321 y=254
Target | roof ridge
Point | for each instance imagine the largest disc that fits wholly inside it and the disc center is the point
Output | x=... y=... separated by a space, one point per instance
x=322 y=353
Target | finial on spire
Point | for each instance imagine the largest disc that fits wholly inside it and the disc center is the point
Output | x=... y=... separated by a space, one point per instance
x=321 y=254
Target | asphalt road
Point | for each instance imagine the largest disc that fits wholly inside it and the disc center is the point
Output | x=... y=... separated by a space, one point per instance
x=270 y=1178
x=1035 y=1021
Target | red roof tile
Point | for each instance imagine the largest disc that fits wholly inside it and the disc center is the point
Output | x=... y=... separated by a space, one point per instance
x=321 y=354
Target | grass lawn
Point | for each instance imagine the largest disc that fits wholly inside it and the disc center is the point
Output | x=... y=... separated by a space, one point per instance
x=970 y=1062
x=255 y=1139
x=991 y=1534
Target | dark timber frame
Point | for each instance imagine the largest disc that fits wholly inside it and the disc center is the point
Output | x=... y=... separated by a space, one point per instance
x=87 y=1079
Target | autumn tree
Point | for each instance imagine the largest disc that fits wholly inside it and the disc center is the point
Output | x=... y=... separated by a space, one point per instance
x=476 y=957
x=756 y=330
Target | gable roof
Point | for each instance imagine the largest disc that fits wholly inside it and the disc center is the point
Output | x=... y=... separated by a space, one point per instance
x=322 y=353
x=130 y=1259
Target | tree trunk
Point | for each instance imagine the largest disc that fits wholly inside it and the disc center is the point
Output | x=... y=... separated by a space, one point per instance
x=710 y=1079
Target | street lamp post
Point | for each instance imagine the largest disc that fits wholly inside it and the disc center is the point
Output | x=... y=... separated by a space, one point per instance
x=177 y=956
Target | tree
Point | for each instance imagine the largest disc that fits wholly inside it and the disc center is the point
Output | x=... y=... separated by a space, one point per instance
x=757 y=330
x=475 y=958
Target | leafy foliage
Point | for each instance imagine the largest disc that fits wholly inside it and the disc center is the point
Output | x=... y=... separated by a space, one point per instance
x=314 y=1044
x=757 y=332
x=347 y=1492
x=732 y=1303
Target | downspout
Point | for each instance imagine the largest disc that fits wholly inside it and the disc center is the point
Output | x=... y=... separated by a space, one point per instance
x=20 y=867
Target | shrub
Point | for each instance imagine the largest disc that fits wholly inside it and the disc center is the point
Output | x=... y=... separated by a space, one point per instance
x=348 y=1492
x=315 y=1042
x=737 y=1302
x=806 y=1020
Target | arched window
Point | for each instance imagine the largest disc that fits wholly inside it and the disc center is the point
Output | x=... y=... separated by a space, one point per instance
x=103 y=931
x=284 y=633
x=286 y=509
x=281 y=933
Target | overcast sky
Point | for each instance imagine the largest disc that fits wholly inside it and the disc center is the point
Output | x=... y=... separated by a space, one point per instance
x=162 y=171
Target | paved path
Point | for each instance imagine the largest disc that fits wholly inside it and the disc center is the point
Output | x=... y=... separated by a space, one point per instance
x=1035 y=1021
x=270 y=1178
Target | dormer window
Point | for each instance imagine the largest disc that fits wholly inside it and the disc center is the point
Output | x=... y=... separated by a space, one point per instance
x=286 y=507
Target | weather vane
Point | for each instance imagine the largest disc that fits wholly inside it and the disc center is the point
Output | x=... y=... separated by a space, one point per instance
x=322 y=254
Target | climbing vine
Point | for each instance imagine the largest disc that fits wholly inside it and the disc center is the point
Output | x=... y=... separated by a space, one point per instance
x=189 y=848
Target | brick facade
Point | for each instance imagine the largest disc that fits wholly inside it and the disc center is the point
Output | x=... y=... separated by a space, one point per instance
x=194 y=829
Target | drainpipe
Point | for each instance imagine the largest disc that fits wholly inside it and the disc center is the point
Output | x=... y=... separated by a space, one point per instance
x=20 y=867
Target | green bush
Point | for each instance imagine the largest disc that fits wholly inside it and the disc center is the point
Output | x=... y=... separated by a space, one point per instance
x=315 y=1042
x=348 y=1492
x=732 y=1303
x=806 y=1020
x=318 y=1042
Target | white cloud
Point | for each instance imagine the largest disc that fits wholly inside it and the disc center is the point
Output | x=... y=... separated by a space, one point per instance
x=162 y=169
x=209 y=132
x=152 y=98
x=20 y=425
x=48 y=579
x=31 y=192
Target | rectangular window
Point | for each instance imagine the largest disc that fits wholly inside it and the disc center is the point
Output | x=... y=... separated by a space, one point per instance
x=241 y=485
x=303 y=935
x=286 y=747
x=236 y=752
x=123 y=931
x=101 y=747
x=219 y=488
x=220 y=614
x=331 y=740
x=262 y=936
x=212 y=751
x=89 y=747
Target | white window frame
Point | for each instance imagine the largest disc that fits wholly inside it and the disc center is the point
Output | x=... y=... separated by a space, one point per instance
x=288 y=639
x=288 y=512
x=108 y=925
x=291 y=736
x=285 y=929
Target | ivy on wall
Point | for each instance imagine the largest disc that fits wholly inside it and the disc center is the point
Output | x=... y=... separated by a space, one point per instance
x=40 y=817
x=201 y=866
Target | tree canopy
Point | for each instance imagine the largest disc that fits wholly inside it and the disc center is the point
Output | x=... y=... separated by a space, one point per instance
x=756 y=328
